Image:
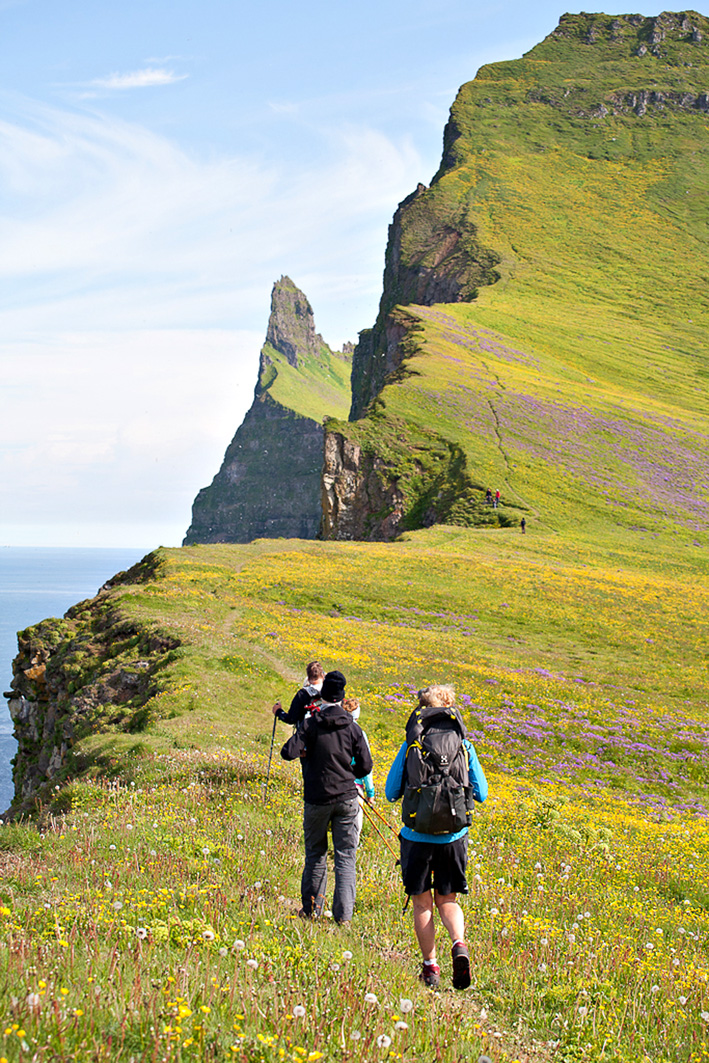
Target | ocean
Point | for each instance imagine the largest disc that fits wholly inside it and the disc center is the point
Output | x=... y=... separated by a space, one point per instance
x=36 y=583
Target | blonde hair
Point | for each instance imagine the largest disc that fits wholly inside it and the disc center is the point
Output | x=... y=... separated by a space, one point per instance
x=442 y=697
x=350 y=704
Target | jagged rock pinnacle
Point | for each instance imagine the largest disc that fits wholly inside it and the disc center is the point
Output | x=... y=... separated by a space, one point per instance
x=291 y=326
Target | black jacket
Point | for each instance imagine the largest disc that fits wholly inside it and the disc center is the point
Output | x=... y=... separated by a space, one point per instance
x=299 y=705
x=336 y=753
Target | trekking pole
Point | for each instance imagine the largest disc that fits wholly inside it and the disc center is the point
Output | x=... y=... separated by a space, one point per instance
x=384 y=820
x=270 y=758
x=384 y=838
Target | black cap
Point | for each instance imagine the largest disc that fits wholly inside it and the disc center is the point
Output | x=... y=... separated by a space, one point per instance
x=333 y=688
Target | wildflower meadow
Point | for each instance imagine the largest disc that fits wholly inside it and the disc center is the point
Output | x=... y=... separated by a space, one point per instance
x=149 y=908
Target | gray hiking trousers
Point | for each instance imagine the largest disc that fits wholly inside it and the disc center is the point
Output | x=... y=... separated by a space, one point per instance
x=342 y=817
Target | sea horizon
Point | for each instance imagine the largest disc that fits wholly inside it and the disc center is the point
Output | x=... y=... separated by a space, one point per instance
x=37 y=582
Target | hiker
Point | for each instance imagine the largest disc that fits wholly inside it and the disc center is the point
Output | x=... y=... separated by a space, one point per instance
x=497 y=498
x=523 y=525
x=488 y=497
x=334 y=753
x=308 y=695
x=365 y=786
x=438 y=774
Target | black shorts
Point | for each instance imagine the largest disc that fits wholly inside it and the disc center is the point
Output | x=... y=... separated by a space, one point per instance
x=431 y=865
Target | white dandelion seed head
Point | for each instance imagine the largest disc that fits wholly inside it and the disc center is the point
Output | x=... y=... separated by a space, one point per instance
x=383 y=1041
x=298 y=1011
x=406 y=1005
x=141 y=932
x=355 y=1035
x=253 y=964
x=117 y=905
x=257 y=885
x=239 y=944
x=347 y=955
x=208 y=935
x=33 y=1000
x=370 y=998
x=704 y=1016
x=583 y=1011
x=223 y=951
x=401 y=1025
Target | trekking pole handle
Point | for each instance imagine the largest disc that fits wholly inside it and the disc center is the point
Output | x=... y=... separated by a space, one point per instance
x=270 y=758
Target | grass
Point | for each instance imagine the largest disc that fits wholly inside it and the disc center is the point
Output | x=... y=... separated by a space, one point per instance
x=588 y=912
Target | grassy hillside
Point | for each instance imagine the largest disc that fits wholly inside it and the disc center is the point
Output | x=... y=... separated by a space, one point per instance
x=578 y=379
x=154 y=914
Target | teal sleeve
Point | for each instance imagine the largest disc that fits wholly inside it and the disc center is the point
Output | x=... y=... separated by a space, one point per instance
x=476 y=773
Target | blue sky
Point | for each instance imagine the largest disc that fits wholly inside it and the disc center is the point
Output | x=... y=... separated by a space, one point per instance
x=161 y=165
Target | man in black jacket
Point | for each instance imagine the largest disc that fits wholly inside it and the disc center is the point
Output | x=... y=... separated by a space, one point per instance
x=335 y=753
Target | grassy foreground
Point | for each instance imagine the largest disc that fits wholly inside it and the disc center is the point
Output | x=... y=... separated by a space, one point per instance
x=153 y=914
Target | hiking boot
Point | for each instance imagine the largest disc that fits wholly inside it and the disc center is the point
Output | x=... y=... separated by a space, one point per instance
x=431 y=975
x=461 y=965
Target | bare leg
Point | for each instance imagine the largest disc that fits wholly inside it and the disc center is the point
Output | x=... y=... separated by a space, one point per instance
x=451 y=915
x=423 y=924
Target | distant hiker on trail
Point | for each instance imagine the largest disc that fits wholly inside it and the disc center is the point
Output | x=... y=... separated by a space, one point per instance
x=523 y=525
x=497 y=499
x=306 y=696
x=334 y=753
x=365 y=786
x=438 y=774
x=488 y=497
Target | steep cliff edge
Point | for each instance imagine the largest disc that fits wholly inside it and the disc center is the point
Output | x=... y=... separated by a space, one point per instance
x=269 y=482
x=566 y=233
x=93 y=670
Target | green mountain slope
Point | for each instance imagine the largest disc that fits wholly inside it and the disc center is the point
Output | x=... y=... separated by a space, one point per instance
x=571 y=205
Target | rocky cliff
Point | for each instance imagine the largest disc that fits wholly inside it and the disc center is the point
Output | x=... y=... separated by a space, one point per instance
x=92 y=670
x=559 y=172
x=269 y=482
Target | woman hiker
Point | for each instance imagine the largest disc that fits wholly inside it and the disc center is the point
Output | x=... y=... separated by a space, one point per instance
x=435 y=761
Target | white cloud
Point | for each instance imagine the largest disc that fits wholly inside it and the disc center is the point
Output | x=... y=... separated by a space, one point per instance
x=119 y=427
x=136 y=281
x=139 y=79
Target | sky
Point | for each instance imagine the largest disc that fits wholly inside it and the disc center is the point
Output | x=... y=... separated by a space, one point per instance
x=162 y=164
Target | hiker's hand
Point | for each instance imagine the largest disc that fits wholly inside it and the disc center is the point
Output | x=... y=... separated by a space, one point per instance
x=276 y=708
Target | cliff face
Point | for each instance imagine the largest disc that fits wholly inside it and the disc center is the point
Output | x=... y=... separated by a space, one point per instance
x=93 y=670
x=559 y=171
x=269 y=482
x=433 y=255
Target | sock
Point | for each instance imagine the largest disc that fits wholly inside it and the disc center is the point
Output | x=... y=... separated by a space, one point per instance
x=458 y=942
x=430 y=963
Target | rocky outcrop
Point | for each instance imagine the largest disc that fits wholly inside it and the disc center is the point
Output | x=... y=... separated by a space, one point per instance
x=94 y=670
x=361 y=499
x=269 y=482
x=433 y=256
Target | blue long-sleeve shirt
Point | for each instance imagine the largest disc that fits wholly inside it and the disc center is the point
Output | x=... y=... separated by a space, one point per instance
x=396 y=782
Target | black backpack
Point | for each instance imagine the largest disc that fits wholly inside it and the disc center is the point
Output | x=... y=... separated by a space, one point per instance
x=438 y=797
